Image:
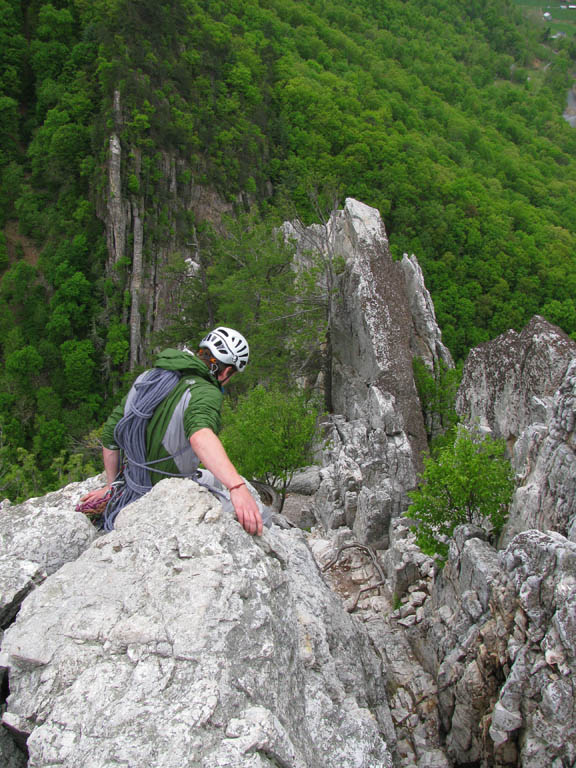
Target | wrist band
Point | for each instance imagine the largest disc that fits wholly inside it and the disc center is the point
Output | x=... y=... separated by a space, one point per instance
x=236 y=486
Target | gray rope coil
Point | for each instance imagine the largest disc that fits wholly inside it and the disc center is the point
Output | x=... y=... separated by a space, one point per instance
x=130 y=436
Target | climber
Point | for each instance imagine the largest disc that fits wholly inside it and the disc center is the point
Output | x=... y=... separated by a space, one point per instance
x=168 y=424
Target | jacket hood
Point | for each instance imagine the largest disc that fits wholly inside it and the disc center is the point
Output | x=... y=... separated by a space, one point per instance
x=177 y=360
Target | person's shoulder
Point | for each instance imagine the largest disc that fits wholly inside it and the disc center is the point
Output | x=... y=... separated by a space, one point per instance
x=206 y=386
x=175 y=360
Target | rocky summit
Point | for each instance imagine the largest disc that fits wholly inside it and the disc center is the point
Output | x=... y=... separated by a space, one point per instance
x=180 y=640
x=381 y=318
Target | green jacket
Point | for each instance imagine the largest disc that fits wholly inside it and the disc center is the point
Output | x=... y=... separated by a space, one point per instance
x=195 y=403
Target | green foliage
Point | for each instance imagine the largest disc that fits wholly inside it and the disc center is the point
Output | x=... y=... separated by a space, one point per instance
x=268 y=435
x=117 y=346
x=78 y=371
x=23 y=368
x=468 y=482
x=21 y=479
x=437 y=392
x=50 y=438
x=246 y=280
x=72 y=468
x=382 y=100
x=445 y=116
x=4 y=258
x=133 y=184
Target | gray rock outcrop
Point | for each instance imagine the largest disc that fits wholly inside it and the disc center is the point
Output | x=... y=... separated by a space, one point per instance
x=381 y=316
x=426 y=342
x=480 y=656
x=499 y=636
x=522 y=387
x=372 y=325
x=37 y=538
x=180 y=640
x=545 y=462
x=507 y=384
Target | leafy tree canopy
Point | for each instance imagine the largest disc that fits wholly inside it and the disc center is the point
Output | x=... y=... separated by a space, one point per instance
x=446 y=116
x=471 y=482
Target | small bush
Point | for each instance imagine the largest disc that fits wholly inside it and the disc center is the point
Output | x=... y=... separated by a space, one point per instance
x=468 y=482
x=269 y=434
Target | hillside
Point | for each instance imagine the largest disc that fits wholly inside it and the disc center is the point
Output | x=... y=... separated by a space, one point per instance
x=130 y=127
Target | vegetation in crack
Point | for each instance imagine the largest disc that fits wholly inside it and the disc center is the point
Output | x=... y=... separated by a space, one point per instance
x=470 y=482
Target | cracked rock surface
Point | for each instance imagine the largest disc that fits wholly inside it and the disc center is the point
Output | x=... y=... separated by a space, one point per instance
x=381 y=317
x=499 y=634
x=522 y=387
x=180 y=640
x=36 y=538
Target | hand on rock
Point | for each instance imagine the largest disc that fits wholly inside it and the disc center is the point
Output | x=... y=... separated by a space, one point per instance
x=247 y=511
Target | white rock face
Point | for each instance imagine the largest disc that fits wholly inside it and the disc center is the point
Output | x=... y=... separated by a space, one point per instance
x=179 y=640
x=381 y=317
x=372 y=325
x=427 y=339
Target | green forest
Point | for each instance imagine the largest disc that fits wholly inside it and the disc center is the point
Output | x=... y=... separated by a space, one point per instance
x=446 y=116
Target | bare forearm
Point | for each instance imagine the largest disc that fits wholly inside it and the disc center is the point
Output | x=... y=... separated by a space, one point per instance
x=211 y=453
x=111 y=461
x=207 y=446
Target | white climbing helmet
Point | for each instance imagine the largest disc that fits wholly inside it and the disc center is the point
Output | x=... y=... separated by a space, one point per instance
x=228 y=346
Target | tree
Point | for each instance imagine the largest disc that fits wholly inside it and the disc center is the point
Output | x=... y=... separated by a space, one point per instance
x=469 y=482
x=437 y=392
x=244 y=279
x=269 y=435
x=23 y=367
x=78 y=369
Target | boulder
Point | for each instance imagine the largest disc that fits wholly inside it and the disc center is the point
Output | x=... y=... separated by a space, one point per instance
x=178 y=639
x=305 y=481
x=403 y=562
x=37 y=538
x=297 y=511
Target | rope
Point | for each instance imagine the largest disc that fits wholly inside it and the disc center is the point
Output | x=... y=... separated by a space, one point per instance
x=130 y=435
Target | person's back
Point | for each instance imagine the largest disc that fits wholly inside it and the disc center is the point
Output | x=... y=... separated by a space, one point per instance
x=180 y=431
x=193 y=403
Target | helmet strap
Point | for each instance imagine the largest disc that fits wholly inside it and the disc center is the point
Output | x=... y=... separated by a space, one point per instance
x=214 y=365
x=232 y=372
